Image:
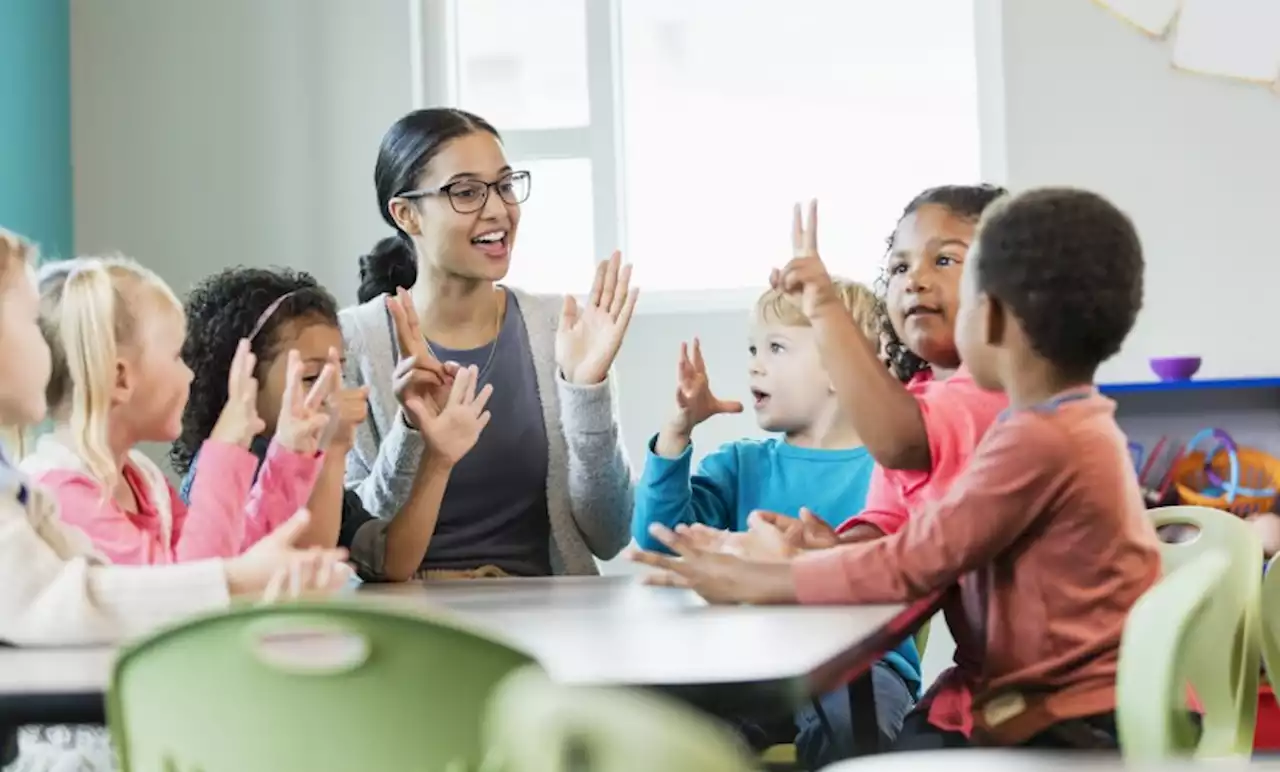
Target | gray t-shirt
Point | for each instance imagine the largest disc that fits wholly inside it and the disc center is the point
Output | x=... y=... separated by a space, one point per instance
x=495 y=508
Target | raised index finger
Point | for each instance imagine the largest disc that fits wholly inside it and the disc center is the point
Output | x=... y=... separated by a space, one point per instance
x=811 y=233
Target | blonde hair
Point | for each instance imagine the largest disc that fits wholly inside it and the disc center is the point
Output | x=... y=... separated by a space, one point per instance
x=89 y=309
x=16 y=255
x=777 y=307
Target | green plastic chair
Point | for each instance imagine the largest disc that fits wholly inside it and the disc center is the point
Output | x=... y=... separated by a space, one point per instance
x=535 y=725
x=1271 y=624
x=1166 y=639
x=306 y=686
x=1234 y=615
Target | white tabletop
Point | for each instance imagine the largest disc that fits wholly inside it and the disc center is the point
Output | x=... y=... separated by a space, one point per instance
x=587 y=630
x=614 y=630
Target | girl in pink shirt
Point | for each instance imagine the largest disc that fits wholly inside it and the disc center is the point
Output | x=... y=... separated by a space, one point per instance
x=116 y=332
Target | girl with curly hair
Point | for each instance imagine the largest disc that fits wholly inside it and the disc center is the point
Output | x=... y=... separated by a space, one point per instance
x=279 y=311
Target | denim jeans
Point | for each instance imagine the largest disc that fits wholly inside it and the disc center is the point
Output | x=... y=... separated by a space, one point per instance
x=816 y=747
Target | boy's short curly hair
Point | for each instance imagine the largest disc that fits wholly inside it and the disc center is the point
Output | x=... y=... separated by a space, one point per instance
x=964 y=201
x=223 y=309
x=1069 y=265
x=777 y=307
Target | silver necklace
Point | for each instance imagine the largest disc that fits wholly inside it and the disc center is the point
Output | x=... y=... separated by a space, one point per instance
x=493 y=347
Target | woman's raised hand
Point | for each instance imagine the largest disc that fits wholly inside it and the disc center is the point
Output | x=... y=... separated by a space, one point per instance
x=419 y=377
x=589 y=337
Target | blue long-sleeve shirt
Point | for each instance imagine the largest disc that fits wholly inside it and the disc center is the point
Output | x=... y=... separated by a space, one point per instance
x=743 y=476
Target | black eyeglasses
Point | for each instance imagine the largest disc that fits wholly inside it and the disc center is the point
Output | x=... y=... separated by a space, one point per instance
x=467 y=196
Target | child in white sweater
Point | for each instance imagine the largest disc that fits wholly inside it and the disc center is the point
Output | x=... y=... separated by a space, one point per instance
x=55 y=589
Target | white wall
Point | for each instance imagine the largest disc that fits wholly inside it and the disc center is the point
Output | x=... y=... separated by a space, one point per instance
x=210 y=134
x=207 y=134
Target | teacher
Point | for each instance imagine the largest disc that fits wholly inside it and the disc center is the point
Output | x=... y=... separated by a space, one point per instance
x=547 y=485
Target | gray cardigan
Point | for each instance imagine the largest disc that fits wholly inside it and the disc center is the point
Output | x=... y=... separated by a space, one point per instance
x=589 y=485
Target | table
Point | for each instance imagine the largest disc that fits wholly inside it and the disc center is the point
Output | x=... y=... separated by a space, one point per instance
x=584 y=630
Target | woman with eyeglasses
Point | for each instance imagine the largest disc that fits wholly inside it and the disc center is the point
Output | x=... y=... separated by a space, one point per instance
x=547 y=486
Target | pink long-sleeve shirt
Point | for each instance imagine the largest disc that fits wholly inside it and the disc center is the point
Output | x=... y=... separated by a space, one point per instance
x=957 y=413
x=228 y=512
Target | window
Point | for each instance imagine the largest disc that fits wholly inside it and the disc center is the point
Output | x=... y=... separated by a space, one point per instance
x=681 y=131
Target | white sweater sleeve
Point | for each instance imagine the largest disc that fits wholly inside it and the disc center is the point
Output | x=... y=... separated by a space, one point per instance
x=55 y=591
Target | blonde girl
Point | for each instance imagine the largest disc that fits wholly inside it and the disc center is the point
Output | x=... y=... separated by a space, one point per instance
x=118 y=379
x=55 y=589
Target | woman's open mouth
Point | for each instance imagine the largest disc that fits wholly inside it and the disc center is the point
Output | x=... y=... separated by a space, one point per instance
x=493 y=243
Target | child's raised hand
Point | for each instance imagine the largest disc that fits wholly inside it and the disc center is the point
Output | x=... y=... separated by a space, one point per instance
x=303 y=413
x=274 y=567
x=806 y=275
x=452 y=430
x=695 y=401
x=239 y=421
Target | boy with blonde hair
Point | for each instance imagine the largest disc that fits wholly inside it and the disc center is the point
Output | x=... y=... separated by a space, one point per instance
x=815 y=457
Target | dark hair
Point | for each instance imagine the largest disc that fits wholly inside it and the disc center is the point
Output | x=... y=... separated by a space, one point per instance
x=1069 y=266
x=407 y=148
x=965 y=201
x=222 y=310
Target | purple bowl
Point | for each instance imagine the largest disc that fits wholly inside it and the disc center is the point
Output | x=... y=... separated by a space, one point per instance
x=1175 y=368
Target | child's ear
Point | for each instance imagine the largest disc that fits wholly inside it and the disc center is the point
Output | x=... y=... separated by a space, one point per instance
x=124 y=382
x=995 y=321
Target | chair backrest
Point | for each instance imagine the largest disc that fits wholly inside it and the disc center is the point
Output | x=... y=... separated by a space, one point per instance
x=1160 y=652
x=329 y=686
x=1234 y=615
x=1271 y=623
x=534 y=725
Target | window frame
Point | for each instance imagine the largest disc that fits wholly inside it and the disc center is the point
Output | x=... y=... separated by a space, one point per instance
x=435 y=81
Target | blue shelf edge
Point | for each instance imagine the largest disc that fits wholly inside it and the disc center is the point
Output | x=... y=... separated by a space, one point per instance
x=1204 y=384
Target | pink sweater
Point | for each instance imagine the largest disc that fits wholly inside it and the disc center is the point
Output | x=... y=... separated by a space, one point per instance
x=228 y=511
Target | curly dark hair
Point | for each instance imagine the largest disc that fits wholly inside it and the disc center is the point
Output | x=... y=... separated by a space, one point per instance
x=223 y=309
x=1069 y=266
x=966 y=201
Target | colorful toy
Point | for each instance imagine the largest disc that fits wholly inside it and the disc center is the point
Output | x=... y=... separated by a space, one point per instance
x=1215 y=472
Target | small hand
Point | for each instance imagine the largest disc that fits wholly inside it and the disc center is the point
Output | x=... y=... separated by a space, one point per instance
x=717 y=577
x=806 y=275
x=807 y=532
x=695 y=402
x=418 y=374
x=350 y=409
x=764 y=543
x=452 y=431
x=303 y=415
x=347 y=409
x=274 y=567
x=588 y=339
x=239 y=422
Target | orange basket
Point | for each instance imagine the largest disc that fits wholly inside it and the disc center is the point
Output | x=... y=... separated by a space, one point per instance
x=1259 y=472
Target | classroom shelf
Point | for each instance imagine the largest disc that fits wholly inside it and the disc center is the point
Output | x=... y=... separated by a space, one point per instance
x=1195 y=384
